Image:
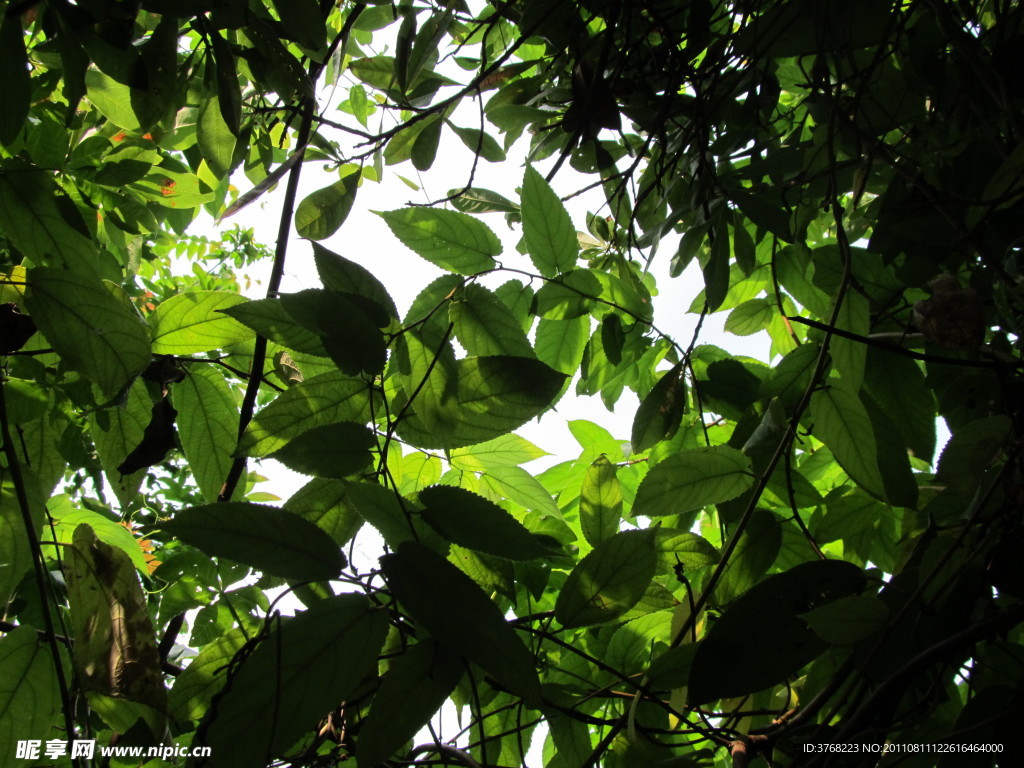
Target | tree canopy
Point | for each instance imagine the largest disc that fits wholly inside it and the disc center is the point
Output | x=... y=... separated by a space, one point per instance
x=780 y=565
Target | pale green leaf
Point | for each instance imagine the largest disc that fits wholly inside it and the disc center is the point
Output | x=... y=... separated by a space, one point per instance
x=691 y=479
x=451 y=240
x=191 y=323
x=550 y=236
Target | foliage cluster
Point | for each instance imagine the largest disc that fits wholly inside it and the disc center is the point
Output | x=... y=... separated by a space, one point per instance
x=777 y=558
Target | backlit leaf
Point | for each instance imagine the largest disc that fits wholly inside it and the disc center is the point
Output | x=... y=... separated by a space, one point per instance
x=549 y=234
x=321 y=213
x=190 y=323
x=94 y=331
x=691 y=479
x=451 y=240
x=608 y=581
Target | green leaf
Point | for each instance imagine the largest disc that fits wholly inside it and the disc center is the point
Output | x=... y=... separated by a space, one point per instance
x=509 y=450
x=754 y=554
x=116 y=431
x=322 y=213
x=847 y=620
x=677 y=547
x=485 y=326
x=190 y=323
x=207 y=426
x=274 y=319
x=898 y=385
x=750 y=317
x=608 y=581
x=206 y=674
x=215 y=137
x=550 y=237
x=472 y=521
x=316 y=660
x=95 y=332
x=689 y=480
x=567 y=296
x=14 y=69
x=519 y=486
x=415 y=687
x=29 y=695
x=347 y=277
x=302 y=22
x=484 y=144
x=324 y=399
x=841 y=422
x=112 y=99
x=849 y=356
x=600 y=502
x=495 y=395
x=15 y=550
x=457 y=614
x=661 y=411
x=732 y=660
x=560 y=343
x=451 y=240
x=325 y=502
x=266 y=538
x=34 y=215
x=479 y=200
x=332 y=450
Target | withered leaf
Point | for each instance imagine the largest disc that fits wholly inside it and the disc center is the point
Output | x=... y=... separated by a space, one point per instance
x=115 y=650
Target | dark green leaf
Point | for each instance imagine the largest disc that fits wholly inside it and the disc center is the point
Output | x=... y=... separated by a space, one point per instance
x=332 y=450
x=754 y=554
x=472 y=521
x=316 y=660
x=322 y=213
x=732 y=660
x=302 y=22
x=324 y=399
x=847 y=620
x=485 y=326
x=267 y=538
x=272 y=318
x=608 y=581
x=415 y=687
x=661 y=411
x=344 y=276
x=14 y=70
x=494 y=395
x=460 y=617
x=325 y=502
